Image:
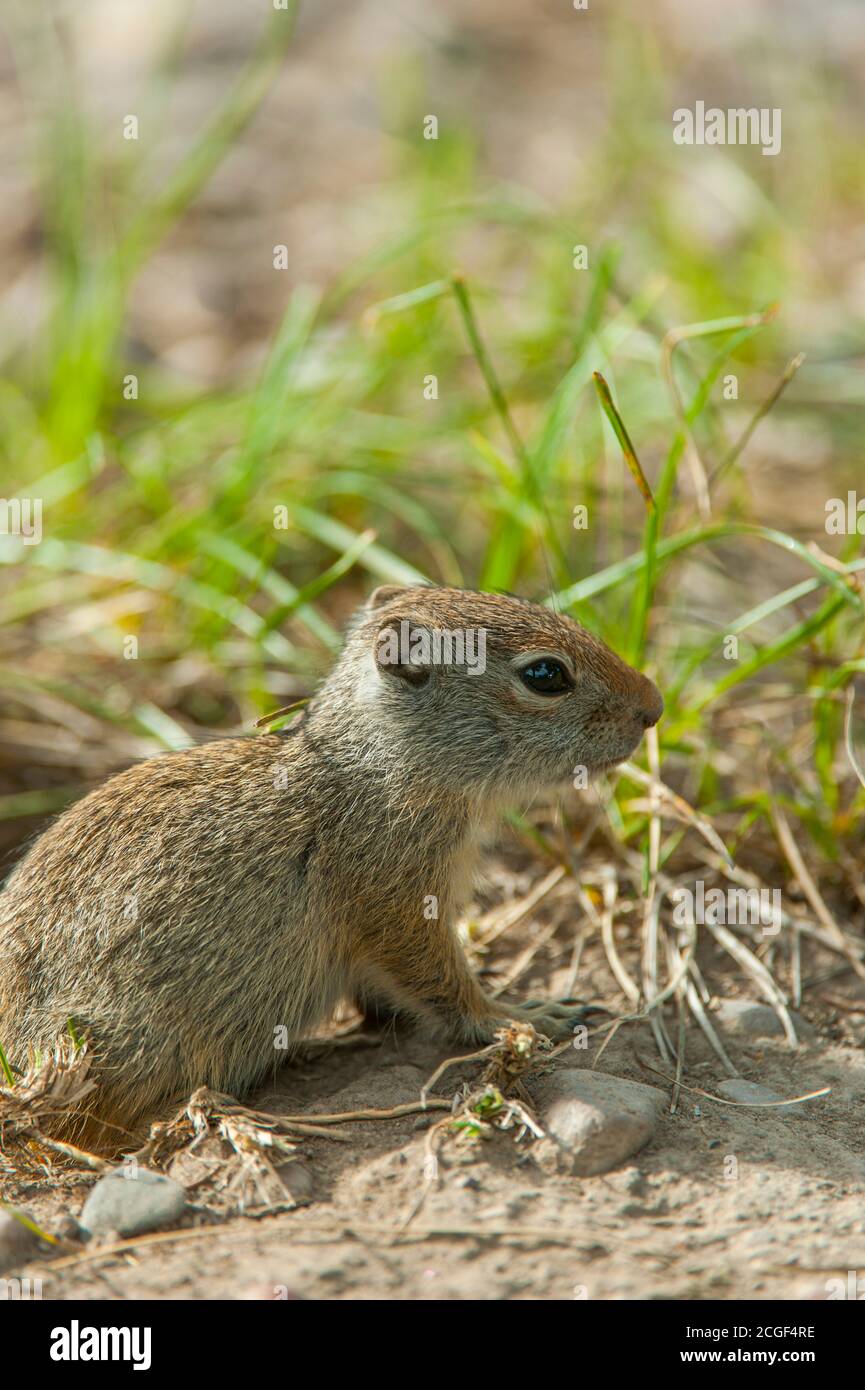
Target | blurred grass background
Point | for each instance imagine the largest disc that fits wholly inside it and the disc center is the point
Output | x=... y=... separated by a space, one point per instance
x=299 y=393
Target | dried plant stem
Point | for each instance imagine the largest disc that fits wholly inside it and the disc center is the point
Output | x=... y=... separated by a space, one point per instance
x=809 y=887
x=88 y=1160
x=524 y=960
x=739 y=1104
x=499 y=921
x=760 y=413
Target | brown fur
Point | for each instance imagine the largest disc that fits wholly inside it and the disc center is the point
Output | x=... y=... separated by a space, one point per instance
x=192 y=905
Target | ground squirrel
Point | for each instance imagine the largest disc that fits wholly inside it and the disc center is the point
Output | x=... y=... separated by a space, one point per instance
x=206 y=906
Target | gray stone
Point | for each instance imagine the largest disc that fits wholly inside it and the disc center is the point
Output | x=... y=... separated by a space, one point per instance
x=635 y=1182
x=18 y=1244
x=133 y=1200
x=298 y=1180
x=595 y=1120
x=752 y=1092
x=751 y=1019
x=69 y=1228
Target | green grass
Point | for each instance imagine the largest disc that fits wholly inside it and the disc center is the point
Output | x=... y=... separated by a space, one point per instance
x=160 y=512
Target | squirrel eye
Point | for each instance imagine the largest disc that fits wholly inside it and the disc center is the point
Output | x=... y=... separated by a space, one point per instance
x=546 y=677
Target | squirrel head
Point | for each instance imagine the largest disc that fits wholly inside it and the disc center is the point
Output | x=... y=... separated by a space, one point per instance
x=486 y=693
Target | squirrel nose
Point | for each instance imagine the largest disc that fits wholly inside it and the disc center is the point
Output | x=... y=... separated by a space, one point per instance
x=651 y=705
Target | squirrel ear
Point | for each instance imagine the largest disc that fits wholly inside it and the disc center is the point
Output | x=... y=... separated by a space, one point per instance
x=383 y=594
x=403 y=652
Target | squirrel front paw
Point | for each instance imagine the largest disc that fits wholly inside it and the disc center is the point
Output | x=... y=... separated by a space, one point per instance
x=555 y=1019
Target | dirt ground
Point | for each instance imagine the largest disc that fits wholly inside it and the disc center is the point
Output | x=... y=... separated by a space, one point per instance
x=726 y=1201
x=680 y=1219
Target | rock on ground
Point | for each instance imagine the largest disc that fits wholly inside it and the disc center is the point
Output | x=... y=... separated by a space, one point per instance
x=751 y=1019
x=752 y=1093
x=129 y=1201
x=594 y=1120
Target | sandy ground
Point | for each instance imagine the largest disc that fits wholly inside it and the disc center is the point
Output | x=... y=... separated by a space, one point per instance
x=724 y=1202
x=681 y=1219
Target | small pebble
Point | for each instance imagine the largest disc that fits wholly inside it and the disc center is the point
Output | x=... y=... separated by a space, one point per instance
x=69 y=1228
x=298 y=1178
x=597 y=1120
x=130 y=1201
x=755 y=1020
x=751 y=1091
